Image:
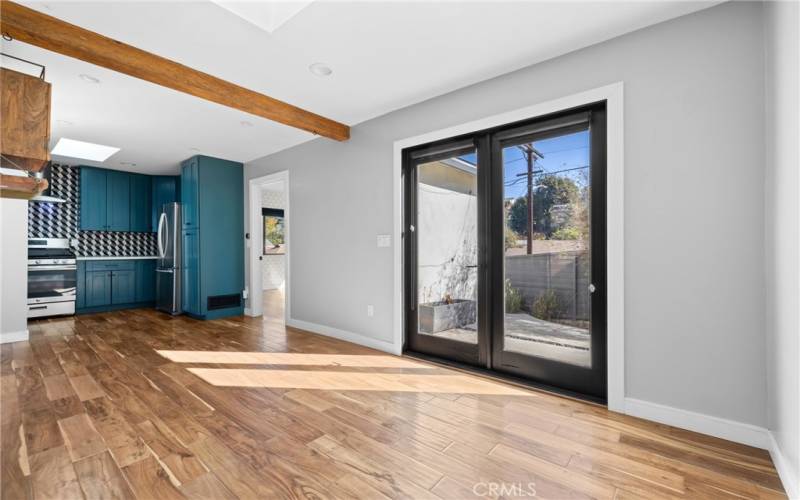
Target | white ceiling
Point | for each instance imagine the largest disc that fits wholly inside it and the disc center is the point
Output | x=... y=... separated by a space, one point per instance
x=385 y=56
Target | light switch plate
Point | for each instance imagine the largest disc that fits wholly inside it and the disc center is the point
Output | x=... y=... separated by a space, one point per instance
x=384 y=240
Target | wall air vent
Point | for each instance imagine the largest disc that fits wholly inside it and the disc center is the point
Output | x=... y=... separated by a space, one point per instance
x=224 y=301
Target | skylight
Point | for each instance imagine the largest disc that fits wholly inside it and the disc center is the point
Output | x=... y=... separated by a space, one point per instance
x=83 y=150
x=268 y=16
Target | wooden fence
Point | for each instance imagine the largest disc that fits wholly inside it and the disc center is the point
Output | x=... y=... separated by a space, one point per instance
x=566 y=273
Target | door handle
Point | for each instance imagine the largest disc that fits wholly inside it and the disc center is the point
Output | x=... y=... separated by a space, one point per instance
x=162 y=252
x=170 y=271
x=592 y=288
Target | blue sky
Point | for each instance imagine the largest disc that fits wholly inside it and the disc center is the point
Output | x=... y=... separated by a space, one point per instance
x=560 y=153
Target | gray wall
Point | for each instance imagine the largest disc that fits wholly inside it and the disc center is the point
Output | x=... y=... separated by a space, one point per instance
x=694 y=207
x=783 y=229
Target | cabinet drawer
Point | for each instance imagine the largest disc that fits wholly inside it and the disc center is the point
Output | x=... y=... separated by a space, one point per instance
x=110 y=265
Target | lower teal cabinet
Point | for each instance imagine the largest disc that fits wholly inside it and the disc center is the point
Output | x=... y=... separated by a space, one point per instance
x=145 y=280
x=115 y=284
x=80 y=286
x=190 y=283
x=98 y=288
x=123 y=287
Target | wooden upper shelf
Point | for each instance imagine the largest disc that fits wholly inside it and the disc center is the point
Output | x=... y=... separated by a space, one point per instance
x=47 y=32
x=25 y=128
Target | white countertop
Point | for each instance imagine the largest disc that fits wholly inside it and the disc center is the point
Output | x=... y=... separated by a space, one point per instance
x=142 y=257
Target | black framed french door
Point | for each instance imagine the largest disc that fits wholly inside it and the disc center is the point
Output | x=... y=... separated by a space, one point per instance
x=504 y=250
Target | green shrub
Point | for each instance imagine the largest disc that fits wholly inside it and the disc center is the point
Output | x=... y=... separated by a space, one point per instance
x=513 y=298
x=567 y=233
x=510 y=238
x=546 y=306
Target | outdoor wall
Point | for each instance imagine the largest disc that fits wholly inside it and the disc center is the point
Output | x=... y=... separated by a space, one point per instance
x=13 y=270
x=782 y=223
x=694 y=210
x=447 y=239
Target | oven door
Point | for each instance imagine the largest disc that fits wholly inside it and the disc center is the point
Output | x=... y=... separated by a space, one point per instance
x=52 y=283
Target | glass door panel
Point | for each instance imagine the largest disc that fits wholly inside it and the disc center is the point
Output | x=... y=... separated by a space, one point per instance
x=547 y=259
x=445 y=239
x=549 y=323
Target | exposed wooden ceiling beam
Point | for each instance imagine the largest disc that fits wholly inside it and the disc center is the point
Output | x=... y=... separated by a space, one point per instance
x=13 y=186
x=47 y=32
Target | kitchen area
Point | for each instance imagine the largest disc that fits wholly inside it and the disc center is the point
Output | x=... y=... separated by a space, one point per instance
x=85 y=232
x=103 y=240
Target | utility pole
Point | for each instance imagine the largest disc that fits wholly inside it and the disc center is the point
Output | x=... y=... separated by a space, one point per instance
x=531 y=154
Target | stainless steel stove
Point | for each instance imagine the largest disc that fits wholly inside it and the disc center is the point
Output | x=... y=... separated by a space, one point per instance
x=52 y=277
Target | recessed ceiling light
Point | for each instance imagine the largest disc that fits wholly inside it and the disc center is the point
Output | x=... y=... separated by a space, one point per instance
x=83 y=150
x=65 y=122
x=127 y=163
x=246 y=123
x=320 y=69
x=88 y=78
x=194 y=149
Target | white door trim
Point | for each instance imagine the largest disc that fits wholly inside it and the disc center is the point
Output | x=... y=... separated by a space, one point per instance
x=613 y=95
x=256 y=237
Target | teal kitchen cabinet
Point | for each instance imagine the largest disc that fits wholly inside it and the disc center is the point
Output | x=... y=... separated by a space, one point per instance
x=190 y=170
x=98 y=288
x=93 y=193
x=212 y=196
x=115 y=201
x=118 y=202
x=141 y=205
x=165 y=190
x=80 y=285
x=145 y=280
x=110 y=284
x=190 y=272
x=123 y=286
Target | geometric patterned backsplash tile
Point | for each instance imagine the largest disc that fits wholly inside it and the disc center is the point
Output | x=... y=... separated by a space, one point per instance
x=60 y=220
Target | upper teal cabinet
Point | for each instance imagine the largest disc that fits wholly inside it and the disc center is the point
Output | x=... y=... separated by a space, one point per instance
x=94 y=198
x=165 y=190
x=119 y=200
x=189 y=189
x=141 y=203
x=115 y=201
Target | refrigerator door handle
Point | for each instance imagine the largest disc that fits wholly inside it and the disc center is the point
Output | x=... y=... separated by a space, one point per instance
x=162 y=252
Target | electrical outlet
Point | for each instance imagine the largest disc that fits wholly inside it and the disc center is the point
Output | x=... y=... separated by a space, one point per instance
x=384 y=240
x=370 y=310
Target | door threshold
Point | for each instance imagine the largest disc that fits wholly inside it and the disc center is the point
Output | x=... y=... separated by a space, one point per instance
x=508 y=379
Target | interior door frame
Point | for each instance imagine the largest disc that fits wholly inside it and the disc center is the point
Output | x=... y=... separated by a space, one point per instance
x=255 y=239
x=613 y=94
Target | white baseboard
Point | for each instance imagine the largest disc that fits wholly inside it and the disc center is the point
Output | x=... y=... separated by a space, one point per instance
x=356 y=338
x=751 y=435
x=791 y=483
x=19 y=336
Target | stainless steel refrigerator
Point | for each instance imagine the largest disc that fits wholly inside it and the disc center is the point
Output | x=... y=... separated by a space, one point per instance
x=168 y=270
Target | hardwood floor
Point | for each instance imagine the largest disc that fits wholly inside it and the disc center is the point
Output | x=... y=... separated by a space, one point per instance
x=135 y=404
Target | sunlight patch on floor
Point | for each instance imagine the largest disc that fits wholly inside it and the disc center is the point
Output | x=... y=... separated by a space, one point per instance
x=351 y=381
x=289 y=358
